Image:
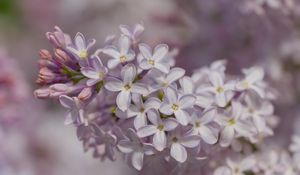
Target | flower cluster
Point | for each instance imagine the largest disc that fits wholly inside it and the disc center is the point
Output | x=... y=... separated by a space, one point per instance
x=128 y=96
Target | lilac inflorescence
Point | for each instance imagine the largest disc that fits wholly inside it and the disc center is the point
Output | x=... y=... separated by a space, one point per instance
x=129 y=97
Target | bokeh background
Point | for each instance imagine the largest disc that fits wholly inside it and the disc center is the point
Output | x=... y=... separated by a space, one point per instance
x=33 y=138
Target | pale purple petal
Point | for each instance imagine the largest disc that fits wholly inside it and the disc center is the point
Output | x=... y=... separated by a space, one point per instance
x=170 y=124
x=145 y=65
x=145 y=51
x=175 y=74
x=227 y=136
x=187 y=101
x=137 y=160
x=152 y=103
x=111 y=51
x=80 y=41
x=221 y=99
x=190 y=141
x=171 y=95
x=178 y=152
x=124 y=44
x=166 y=109
x=208 y=135
x=160 y=140
x=128 y=73
x=182 y=117
x=66 y=101
x=216 y=79
x=92 y=82
x=123 y=100
x=112 y=63
x=160 y=52
x=146 y=131
x=139 y=88
x=256 y=74
x=162 y=67
x=114 y=85
x=154 y=117
x=89 y=72
x=125 y=146
x=139 y=121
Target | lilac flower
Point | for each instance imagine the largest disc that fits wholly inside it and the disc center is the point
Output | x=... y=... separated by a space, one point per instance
x=200 y=122
x=96 y=72
x=155 y=59
x=107 y=140
x=136 y=148
x=120 y=55
x=157 y=129
x=221 y=90
x=75 y=113
x=163 y=81
x=179 y=142
x=172 y=104
x=254 y=77
x=134 y=34
x=126 y=86
x=257 y=111
x=140 y=108
x=233 y=125
x=236 y=168
x=81 y=47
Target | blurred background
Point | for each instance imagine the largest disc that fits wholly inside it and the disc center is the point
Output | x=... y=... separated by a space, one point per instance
x=33 y=138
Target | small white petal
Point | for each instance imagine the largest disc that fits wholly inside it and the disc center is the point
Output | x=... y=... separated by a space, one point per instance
x=139 y=88
x=90 y=73
x=114 y=85
x=182 y=117
x=139 y=121
x=175 y=74
x=112 y=63
x=256 y=74
x=162 y=67
x=124 y=44
x=137 y=160
x=227 y=136
x=247 y=163
x=125 y=146
x=187 y=101
x=160 y=52
x=146 y=131
x=216 y=79
x=170 y=124
x=152 y=103
x=128 y=73
x=112 y=51
x=207 y=135
x=145 y=51
x=160 y=140
x=166 y=109
x=221 y=99
x=66 y=101
x=178 y=152
x=80 y=41
x=190 y=141
x=154 y=117
x=171 y=95
x=145 y=65
x=123 y=100
x=187 y=85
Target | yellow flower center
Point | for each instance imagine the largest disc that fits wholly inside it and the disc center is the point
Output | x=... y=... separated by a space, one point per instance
x=101 y=74
x=231 y=122
x=197 y=124
x=175 y=107
x=83 y=54
x=160 y=127
x=127 y=87
x=151 y=62
x=245 y=84
x=142 y=110
x=175 y=139
x=220 y=89
x=123 y=58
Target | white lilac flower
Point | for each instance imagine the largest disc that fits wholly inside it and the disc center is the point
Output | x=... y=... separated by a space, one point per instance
x=221 y=90
x=140 y=108
x=257 y=110
x=134 y=34
x=120 y=55
x=96 y=72
x=200 y=122
x=236 y=168
x=126 y=87
x=252 y=81
x=295 y=146
x=155 y=59
x=233 y=125
x=179 y=106
x=136 y=148
x=107 y=141
x=163 y=81
x=75 y=114
x=179 y=142
x=157 y=129
x=81 y=47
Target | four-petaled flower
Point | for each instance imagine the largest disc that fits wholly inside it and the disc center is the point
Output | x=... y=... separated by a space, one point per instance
x=140 y=108
x=75 y=113
x=157 y=129
x=134 y=34
x=233 y=125
x=179 y=142
x=136 y=148
x=96 y=72
x=200 y=122
x=155 y=59
x=253 y=81
x=126 y=86
x=120 y=55
x=177 y=105
x=81 y=48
